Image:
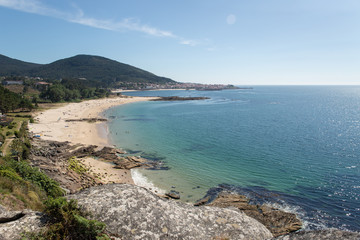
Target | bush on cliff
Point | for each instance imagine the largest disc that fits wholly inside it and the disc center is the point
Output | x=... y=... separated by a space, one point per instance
x=20 y=150
x=17 y=193
x=35 y=176
x=68 y=222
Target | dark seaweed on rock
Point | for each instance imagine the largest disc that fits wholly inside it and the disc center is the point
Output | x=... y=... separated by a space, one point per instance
x=129 y=151
x=152 y=156
x=176 y=98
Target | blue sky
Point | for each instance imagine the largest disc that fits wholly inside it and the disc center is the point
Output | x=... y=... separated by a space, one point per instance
x=243 y=42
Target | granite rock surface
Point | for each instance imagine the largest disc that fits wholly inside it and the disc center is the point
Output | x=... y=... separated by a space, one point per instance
x=14 y=223
x=132 y=212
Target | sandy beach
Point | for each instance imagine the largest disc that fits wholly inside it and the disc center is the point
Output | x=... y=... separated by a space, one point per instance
x=52 y=125
x=106 y=173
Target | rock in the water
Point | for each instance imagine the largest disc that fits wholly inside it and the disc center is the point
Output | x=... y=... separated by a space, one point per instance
x=14 y=223
x=130 y=162
x=277 y=221
x=173 y=194
x=133 y=212
x=202 y=201
x=326 y=234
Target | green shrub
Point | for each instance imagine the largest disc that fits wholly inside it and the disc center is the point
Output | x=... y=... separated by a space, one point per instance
x=16 y=148
x=22 y=131
x=8 y=133
x=2 y=138
x=35 y=176
x=60 y=210
x=76 y=166
x=23 y=116
x=9 y=173
x=69 y=222
x=12 y=125
x=27 y=143
x=20 y=147
x=25 y=153
x=32 y=120
x=17 y=134
x=90 y=228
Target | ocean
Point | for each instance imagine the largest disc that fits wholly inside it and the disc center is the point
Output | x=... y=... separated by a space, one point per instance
x=294 y=147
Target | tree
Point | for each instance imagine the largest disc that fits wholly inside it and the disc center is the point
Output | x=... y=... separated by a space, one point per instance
x=55 y=93
x=9 y=101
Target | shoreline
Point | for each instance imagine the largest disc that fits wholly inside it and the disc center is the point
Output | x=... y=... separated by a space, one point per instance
x=103 y=134
x=147 y=90
x=52 y=125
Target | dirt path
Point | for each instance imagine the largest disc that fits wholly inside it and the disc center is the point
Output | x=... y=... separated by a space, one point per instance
x=8 y=140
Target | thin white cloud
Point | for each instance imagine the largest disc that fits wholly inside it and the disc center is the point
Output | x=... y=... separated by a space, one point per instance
x=36 y=7
x=189 y=42
x=31 y=6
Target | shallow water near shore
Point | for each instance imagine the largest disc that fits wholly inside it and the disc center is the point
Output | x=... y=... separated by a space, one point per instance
x=300 y=144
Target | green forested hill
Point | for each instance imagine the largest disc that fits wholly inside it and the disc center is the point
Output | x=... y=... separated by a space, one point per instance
x=94 y=68
x=14 y=67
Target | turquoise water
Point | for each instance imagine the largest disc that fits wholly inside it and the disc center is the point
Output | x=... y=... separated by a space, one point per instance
x=300 y=144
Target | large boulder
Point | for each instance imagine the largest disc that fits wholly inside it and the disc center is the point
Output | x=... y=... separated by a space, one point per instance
x=14 y=223
x=326 y=234
x=132 y=212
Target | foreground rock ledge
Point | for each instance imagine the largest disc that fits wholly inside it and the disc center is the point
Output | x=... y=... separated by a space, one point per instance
x=133 y=212
x=13 y=223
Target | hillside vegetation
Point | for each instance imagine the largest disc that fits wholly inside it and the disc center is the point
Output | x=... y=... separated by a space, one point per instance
x=9 y=101
x=10 y=66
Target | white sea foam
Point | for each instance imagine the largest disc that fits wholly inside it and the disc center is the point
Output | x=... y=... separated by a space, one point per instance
x=307 y=223
x=351 y=167
x=142 y=181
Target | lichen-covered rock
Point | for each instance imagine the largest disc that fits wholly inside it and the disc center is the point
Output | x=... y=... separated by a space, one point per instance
x=14 y=223
x=133 y=212
x=7 y=216
x=326 y=234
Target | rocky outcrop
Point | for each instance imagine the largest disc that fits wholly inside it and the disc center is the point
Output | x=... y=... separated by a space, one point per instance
x=326 y=234
x=14 y=223
x=172 y=194
x=176 y=98
x=130 y=162
x=91 y=120
x=133 y=212
x=53 y=159
x=277 y=221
